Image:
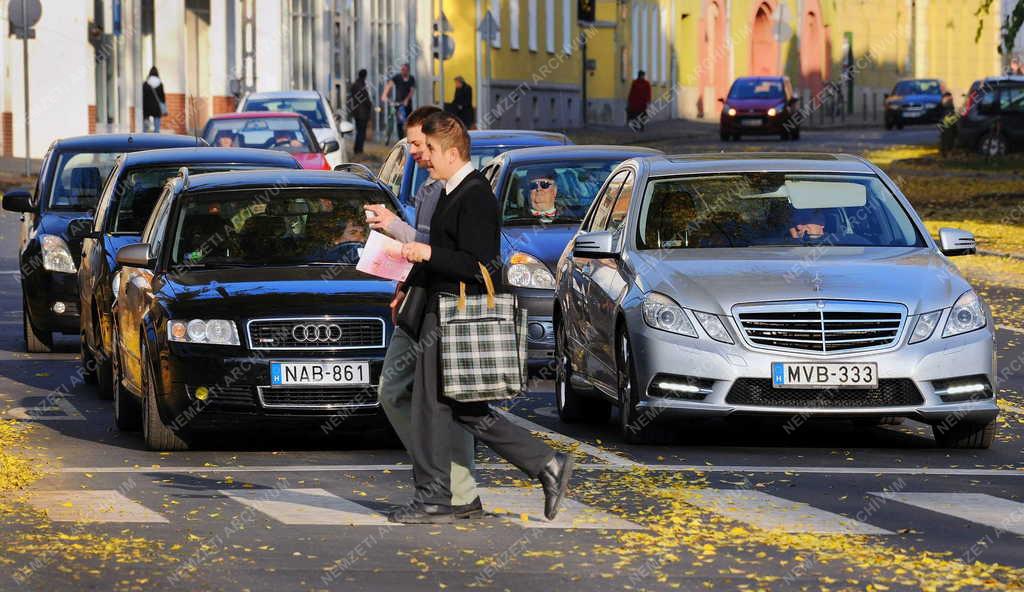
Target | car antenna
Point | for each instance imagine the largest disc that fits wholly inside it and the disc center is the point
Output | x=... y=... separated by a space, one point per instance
x=183 y=172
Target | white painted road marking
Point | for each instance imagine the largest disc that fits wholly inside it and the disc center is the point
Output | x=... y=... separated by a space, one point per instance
x=40 y=412
x=519 y=501
x=843 y=470
x=103 y=505
x=768 y=512
x=306 y=506
x=980 y=508
x=609 y=457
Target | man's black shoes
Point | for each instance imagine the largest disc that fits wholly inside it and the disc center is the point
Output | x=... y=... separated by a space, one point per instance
x=417 y=513
x=474 y=509
x=555 y=481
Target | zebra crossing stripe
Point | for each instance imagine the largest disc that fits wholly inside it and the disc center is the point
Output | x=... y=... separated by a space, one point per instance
x=981 y=508
x=306 y=506
x=769 y=512
x=102 y=505
x=525 y=507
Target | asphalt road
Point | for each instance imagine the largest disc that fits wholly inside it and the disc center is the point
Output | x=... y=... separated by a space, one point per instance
x=726 y=505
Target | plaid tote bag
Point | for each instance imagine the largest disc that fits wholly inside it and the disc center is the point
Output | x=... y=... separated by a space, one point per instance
x=483 y=345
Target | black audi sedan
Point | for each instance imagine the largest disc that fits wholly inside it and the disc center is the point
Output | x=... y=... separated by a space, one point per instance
x=543 y=194
x=66 y=191
x=124 y=207
x=242 y=307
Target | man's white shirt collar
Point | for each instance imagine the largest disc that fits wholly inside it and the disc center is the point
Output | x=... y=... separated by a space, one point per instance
x=453 y=182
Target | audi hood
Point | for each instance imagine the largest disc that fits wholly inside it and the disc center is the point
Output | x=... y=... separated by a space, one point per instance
x=252 y=292
x=714 y=280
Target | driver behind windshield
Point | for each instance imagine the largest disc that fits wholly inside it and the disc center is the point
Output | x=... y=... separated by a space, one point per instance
x=286 y=138
x=543 y=196
x=225 y=139
x=807 y=224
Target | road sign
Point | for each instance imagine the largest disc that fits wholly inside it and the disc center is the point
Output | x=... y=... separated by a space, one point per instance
x=22 y=16
x=489 y=28
x=444 y=47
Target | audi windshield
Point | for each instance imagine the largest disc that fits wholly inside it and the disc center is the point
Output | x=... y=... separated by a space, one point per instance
x=271 y=227
x=773 y=210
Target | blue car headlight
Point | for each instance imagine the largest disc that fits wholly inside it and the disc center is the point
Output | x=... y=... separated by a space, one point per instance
x=526 y=271
x=56 y=256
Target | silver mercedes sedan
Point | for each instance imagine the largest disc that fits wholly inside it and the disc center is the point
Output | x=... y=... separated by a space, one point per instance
x=792 y=285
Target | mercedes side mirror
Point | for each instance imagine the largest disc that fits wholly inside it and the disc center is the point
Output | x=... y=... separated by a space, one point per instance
x=135 y=255
x=18 y=200
x=331 y=146
x=954 y=242
x=595 y=245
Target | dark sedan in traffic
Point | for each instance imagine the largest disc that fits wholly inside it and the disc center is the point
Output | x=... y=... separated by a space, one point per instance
x=543 y=194
x=923 y=100
x=67 y=189
x=127 y=201
x=242 y=307
x=759 y=106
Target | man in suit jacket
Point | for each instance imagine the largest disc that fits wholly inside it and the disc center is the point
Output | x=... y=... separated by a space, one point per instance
x=463 y=234
x=396 y=376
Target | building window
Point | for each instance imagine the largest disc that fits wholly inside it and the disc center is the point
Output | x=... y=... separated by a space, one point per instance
x=303 y=42
x=549 y=25
x=496 y=13
x=567 y=19
x=531 y=24
x=513 y=24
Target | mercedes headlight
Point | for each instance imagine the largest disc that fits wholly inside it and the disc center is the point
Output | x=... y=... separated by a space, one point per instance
x=526 y=271
x=213 y=331
x=56 y=256
x=661 y=312
x=925 y=326
x=967 y=315
x=713 y=326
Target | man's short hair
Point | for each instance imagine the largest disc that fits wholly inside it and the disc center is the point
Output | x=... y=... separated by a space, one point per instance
x=450 y=130
x=417 y=117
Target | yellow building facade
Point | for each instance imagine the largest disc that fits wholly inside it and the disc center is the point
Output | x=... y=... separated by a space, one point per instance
x=551 y=69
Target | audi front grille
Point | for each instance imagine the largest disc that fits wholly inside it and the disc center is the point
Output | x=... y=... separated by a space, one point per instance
x=316 y=333
x=821 y=327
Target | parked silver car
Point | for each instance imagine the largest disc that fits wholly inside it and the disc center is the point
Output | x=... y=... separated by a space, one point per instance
x=793 y=285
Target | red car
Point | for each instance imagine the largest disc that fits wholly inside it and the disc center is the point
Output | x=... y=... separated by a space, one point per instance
x=760 y=105
x=287 y=132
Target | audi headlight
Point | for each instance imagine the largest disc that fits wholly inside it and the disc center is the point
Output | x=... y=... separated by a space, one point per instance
x=713 y=326
x=214 y=331
x=56 y=256
x=526 y=271
x=967 y=315
x=661 y=312
x=925 y=326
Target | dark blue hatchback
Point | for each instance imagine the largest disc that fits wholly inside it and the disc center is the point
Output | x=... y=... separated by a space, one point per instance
x=543 y=194
x=66 y=191
x=401 y=175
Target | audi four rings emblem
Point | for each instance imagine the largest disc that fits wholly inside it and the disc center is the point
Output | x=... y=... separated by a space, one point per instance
x=316 y=333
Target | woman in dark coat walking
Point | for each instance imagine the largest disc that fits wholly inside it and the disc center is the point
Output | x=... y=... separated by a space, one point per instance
x=154 y=103
x=359 y=108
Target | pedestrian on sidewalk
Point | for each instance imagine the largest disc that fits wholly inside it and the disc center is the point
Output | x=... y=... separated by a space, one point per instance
x=154 y=103
x=396 y=375
x=359 y=108
x=639 y=99
x=464 y=236
x=462 y=103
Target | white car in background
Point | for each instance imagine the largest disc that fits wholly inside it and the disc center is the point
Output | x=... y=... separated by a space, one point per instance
x=328 y=125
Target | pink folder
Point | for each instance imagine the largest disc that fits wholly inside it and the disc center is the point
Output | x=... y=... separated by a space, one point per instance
x=382 y=257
